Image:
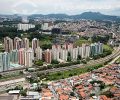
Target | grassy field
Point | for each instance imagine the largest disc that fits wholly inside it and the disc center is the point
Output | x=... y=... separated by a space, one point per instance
x=45 y=42
x=107 y=47
x=82 y=41
x=11 y=76
x=73 y=72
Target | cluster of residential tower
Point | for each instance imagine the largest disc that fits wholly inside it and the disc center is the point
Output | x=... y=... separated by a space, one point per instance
x=19 y=53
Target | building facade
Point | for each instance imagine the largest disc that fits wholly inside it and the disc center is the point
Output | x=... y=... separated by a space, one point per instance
x=8 y=44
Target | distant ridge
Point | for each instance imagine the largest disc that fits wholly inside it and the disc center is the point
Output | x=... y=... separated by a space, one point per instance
x=85 y=15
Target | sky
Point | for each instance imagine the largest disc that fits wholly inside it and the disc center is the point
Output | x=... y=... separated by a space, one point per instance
x=71 y=7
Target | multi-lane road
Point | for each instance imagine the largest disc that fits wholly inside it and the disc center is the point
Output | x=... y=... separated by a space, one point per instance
x=90 y=63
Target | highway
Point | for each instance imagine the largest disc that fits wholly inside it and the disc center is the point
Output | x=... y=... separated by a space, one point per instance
x=91 y=63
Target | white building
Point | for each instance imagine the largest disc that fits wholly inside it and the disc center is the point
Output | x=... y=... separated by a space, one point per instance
x=74 y=54
x=63 y=54
x=38 y=52
x=84 y=51
x=70 y=47
x=87 y=51
x=56 y=52
x=29 y=57
x=25 y=27
x=80 y=51
x=45 y=26
x=26 y=43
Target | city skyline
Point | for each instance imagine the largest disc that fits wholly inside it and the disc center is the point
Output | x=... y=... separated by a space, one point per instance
x=109 y=7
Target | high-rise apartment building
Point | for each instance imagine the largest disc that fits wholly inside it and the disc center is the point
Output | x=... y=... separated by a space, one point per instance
x=48 y=56
x=4 y=61
x=100 y=50
x=96 y=48
x=29 y=57
x=38 y=53
x=14 y=56
x=70 y=47
x=1 y=62
x=18 y=43
x=74 y=53
x=85 y=51
x=56 y=52
x=63 y=54
x=26 y=43
x=21 y=56
x=8 y=44
x=35 y=44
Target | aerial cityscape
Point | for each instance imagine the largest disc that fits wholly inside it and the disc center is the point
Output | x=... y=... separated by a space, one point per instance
x=60 y=50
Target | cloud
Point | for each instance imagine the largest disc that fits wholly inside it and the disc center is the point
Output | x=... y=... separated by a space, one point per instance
x=57 y=6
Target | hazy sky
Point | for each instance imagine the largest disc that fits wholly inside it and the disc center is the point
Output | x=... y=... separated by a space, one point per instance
x=59 y=6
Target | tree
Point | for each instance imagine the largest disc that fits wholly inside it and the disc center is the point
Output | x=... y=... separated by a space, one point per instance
x=84 y=61
x=69 y=57
x=59 y=74
x=18 y=87
x=108 y=94
x=46 y=46
x=21 y=72
x=79 y=57
x=70 y=74
x=102 y=39
x=39 y=63
x=87 y=59
x=54 y=62
x=92 y=94
x=44 y=85
x=23 y=92
x=39 y=89
x=72 y=94
x=0 y=76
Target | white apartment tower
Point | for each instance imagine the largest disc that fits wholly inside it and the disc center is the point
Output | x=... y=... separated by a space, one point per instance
x=26 y=43
x=63 y=54
x=74 y=54
x=38 y=53
x=29 y=57
x=56 y=52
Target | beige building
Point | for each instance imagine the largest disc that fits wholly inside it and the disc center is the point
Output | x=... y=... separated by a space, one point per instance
x=35 y=44
x=29 y=57
x=26 y=43
x=18 y=43
x=8 y=44
x=38 y=53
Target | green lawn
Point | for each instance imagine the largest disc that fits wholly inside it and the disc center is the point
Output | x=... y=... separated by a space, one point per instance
x=107 y=47
x=11 y=76
x=82 y=41
x=73 y=72
x=45 y=42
